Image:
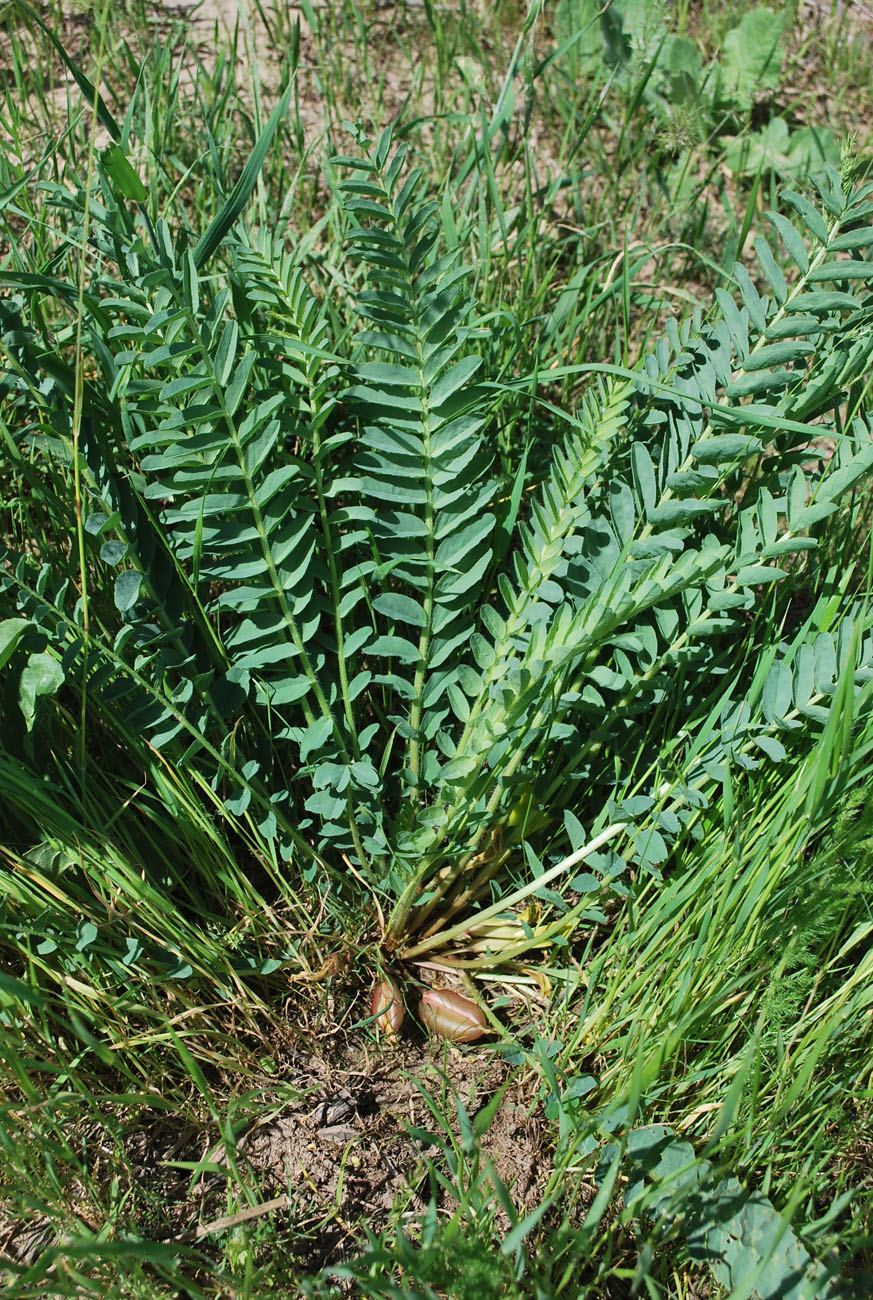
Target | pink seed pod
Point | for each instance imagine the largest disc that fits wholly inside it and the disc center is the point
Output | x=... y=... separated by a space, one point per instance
x=387 y=1006
x=451 y=1016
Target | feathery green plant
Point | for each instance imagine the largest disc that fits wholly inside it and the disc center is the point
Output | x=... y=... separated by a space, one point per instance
x=382 y=661
x=526 y=676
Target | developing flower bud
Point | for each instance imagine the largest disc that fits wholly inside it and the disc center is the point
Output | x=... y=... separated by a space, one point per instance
x=451 y=1016
x=387 y=1006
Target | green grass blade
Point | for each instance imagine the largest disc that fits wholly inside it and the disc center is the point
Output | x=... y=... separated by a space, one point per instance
x=91 y=93
x=241 y=192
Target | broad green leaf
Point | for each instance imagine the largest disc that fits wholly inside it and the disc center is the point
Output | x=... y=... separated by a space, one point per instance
x=398 y=608
x=778 y=695
x=722 y=448
x=761 y=381
x=791 y=238
x=394 y=647
x=778 y=354
x=680 y=512
x=752 y=56
x=127 y=589
x=754 y=575
x=771 y=270
x=821 y=301
x=751 y=298
x=43 y=675
x=815 y=223
x=11 y=632
x=852 y=239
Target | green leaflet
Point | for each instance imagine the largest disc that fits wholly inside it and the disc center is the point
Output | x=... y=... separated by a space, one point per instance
x=43 y=675
x=11 y=632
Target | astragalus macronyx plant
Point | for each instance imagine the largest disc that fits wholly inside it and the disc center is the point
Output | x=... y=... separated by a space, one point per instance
x=396 y=670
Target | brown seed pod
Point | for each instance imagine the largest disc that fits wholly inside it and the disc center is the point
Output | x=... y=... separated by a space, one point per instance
x=387 y=1005
x=451 y=1016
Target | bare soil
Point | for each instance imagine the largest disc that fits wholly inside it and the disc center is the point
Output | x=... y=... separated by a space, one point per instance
x=351 y=1134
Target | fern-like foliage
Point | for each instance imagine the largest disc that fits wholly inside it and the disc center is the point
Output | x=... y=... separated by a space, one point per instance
x=370 y=649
